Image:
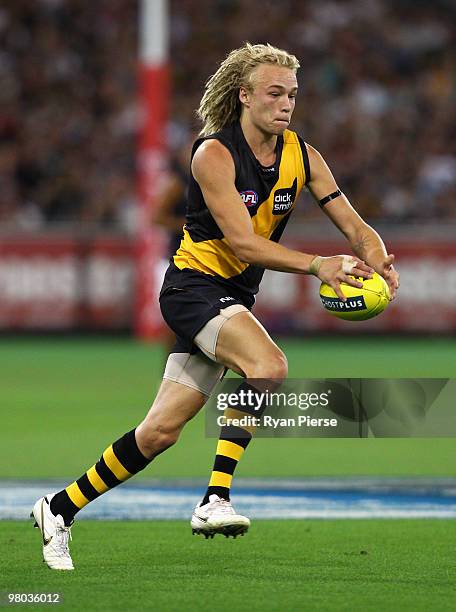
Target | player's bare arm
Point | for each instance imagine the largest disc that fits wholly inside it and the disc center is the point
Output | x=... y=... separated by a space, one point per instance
x=363 y=239
x=213 y=169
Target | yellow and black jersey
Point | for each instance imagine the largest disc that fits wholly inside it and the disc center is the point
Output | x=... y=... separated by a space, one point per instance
x=269 y=194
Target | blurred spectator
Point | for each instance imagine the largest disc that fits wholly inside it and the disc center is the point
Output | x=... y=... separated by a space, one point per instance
x=67 y=97
x=170 y=207
x=171 y=204
x=377 y=97
x=377 y=88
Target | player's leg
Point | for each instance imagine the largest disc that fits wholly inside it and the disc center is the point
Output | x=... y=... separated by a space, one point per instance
x=189 y=378
x=176 y=403
x=243 y=345
x=173 y=406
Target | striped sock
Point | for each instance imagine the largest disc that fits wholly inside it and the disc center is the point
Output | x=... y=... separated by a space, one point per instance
x=231 y=446
x=119 y=462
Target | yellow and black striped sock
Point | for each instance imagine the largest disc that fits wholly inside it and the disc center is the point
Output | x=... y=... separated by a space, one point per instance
x=231 y=445
x=230 y=448
x=119 y=462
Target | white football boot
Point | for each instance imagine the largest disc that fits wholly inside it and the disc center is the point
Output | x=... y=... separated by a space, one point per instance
x=218 y=516
x=55 y=535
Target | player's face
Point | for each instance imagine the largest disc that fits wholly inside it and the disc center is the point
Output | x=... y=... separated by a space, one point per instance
x=270 y=101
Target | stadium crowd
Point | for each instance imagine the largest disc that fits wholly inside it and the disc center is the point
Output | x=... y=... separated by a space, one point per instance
x=377 y=97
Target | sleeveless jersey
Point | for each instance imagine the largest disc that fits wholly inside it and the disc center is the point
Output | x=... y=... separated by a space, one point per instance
x=269 y=194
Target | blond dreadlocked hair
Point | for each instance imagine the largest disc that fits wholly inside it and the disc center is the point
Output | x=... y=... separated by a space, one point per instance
x=220 y=104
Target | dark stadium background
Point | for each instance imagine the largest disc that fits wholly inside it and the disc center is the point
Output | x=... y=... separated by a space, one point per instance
x=377 y=98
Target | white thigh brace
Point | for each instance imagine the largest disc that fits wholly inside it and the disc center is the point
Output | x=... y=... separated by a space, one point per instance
x=195 y=371
x=206 y=338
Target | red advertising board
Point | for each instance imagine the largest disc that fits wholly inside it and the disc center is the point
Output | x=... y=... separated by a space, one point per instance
x=64 y=283
x=67 y=283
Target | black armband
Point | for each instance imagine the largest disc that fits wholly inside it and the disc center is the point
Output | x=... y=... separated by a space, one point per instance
x=331 y=196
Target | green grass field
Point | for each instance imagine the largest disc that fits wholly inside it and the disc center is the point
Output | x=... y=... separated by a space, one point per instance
x=82 y=394
x=279 y=565
x=64 y=400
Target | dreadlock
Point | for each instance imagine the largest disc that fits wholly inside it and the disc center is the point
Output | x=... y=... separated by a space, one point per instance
x=220 y=104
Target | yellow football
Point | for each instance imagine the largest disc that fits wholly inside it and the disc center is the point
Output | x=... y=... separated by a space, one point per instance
x=362 y=303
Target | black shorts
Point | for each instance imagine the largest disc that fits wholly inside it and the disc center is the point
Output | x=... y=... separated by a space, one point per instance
x=189 y=299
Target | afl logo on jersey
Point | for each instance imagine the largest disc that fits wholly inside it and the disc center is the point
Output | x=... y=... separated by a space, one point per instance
x=249 y=197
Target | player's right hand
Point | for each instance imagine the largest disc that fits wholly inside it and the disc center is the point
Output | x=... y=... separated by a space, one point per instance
x=341 y=269
x=390 y=275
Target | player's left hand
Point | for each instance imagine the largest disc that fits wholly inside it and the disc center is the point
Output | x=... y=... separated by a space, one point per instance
x=389 y=273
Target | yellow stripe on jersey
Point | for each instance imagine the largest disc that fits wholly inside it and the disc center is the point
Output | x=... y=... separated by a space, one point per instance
x=214 y=256
x=291 y=168
x=210 y=257
x=229 y=449
x=95 y=480
x=114 y=465
x=74 y=493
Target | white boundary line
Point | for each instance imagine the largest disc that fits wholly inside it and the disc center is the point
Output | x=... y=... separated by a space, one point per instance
x=143 y=502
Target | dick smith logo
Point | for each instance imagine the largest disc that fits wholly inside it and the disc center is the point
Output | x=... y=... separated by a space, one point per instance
x=284 y=198
x=249 y=197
